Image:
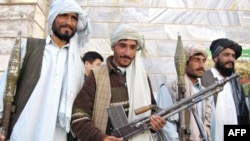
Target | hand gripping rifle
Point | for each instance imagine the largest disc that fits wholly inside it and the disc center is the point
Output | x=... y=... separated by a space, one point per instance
x=12 y=76
x=127 y=130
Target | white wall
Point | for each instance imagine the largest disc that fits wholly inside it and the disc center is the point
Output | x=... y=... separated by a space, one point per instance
x=159 y=20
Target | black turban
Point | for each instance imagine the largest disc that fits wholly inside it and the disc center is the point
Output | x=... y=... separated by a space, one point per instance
x=219 y=45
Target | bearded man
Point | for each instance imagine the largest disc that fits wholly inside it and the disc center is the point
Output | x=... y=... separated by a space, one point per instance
x=51 y=76
x=230 y=103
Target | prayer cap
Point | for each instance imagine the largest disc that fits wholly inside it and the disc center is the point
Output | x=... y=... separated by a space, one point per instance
x=193 y=49
x=219 y=45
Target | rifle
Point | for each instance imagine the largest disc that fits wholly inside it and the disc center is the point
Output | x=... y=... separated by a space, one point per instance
x=127 y=130
x=12 y=76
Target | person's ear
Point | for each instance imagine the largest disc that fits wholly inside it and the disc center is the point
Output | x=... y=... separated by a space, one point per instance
x=87 y=64
x=215 y=59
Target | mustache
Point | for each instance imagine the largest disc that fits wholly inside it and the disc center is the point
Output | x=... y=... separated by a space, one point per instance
x=66 y=25
x=127 y=57
x=200 y=69
x=229 y=62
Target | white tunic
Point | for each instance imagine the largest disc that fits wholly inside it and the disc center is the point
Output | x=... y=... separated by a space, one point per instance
x=38 y=121
x=225 y=109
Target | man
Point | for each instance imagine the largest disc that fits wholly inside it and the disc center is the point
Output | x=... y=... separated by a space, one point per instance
x=196 y=57
x=90 y=60
x=230 y=103
x=51 y=76
x=122 y=81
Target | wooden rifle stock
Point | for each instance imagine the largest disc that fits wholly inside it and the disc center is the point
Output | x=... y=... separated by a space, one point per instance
x=129 y=130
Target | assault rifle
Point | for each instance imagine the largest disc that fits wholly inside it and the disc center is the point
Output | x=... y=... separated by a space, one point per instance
x=125 y=130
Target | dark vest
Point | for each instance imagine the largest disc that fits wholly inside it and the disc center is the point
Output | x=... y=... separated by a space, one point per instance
x=29 y=75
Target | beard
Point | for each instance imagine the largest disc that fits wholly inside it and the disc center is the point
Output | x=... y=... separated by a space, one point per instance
x=223 y=70
x=65 y=37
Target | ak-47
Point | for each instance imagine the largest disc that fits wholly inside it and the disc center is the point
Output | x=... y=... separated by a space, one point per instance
x=127 y=130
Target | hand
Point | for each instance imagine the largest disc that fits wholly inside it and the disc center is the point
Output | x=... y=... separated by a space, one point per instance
x=112 y=138
x=157 y=122
x=2 y=137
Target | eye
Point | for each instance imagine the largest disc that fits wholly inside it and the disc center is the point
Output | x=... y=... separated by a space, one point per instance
x=133 y=47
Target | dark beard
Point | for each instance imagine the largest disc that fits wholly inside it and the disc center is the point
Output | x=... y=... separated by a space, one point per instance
x=224 y=71
x=65 y=37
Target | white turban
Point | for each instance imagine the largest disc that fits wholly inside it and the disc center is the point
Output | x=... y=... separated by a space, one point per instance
x=193 y=48
x=125 y=31
x=70 y=6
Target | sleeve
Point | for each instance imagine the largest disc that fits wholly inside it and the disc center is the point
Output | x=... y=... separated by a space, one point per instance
x=208 y=116
x=164 y=100
x=82 y=125
x=2 y=89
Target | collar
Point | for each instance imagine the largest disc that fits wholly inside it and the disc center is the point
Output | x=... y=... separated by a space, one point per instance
x=50 y=41
x=111 y=66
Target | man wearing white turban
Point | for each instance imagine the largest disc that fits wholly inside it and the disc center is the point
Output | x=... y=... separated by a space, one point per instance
x=50 y=77
x=122 y=81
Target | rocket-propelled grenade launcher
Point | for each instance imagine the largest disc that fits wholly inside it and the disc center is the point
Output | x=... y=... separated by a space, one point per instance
x=12 y=76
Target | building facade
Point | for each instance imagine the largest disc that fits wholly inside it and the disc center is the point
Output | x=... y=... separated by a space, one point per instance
x=158 y=20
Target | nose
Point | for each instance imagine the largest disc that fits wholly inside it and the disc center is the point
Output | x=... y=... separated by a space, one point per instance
x=232 y=58
x=68 y=20
x=128 y=51
x=202 y=64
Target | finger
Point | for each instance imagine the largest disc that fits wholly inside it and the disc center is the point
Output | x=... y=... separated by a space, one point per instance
x=157 y=122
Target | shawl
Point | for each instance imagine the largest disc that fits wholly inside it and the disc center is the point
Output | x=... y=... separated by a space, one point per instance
x=102 y=98
x=74 y=72
x=137 y=83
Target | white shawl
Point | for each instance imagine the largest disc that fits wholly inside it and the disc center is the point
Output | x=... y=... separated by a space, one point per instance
x=225 y=111
x=137 y=82
x=74 y=75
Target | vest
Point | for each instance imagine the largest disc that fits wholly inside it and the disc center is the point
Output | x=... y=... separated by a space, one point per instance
x=29 y=75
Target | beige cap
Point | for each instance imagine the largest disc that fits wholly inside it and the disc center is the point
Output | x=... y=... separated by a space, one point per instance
x=192 y=49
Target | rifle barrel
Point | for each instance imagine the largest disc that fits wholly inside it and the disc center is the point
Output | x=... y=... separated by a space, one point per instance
x=129 y=130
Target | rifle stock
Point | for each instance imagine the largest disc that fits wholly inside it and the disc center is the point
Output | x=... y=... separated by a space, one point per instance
x=133 y=128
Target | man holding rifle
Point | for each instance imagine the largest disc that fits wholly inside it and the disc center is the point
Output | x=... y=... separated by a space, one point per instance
x=196 y=56
x=122 y=81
